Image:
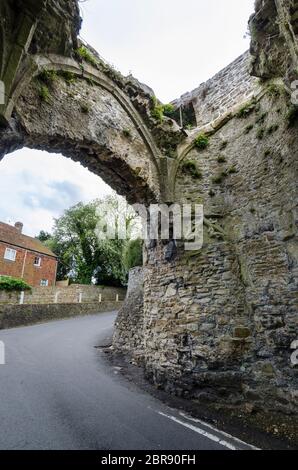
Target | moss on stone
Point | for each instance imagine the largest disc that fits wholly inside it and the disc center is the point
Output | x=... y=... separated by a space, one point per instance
x=224 y=144
x=127 y=133
x=44 y=93
x=292 y=115
x=246 y=109
x=85 y=108
x=67 y=76
x=218 y=179
x=190 y=167
x=272 y=128
x=48 y=77
x=260 y=133
x=261 y=118
x=248 y=128
x=201 y=142
x=274 y=90
x=221 y=159
x=232 y=170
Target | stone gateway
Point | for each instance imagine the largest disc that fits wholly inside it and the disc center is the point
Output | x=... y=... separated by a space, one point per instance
x=214 y=325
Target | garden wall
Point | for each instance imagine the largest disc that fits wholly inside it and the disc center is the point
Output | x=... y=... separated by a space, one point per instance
x=73 y=294
x=12 y=316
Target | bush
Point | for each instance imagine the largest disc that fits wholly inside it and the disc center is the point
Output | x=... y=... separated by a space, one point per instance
x=11 y=283
x=133 y=254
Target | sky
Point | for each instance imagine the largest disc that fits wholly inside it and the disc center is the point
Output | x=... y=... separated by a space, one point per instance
x=170 y=45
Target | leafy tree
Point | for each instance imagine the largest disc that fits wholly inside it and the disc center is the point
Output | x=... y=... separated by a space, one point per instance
x=44 y=236
x=83 y=255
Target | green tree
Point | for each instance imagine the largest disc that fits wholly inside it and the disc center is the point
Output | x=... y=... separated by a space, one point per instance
x=83 y=256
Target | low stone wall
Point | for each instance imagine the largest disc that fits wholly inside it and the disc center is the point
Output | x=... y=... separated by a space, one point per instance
x=12 y=316
x=128 y=336
x=76 y=293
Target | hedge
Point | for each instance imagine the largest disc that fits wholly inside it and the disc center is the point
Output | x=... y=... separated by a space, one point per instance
x=13 y=284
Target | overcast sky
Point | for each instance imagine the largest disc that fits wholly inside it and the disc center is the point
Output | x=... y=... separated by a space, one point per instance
x=170 y=45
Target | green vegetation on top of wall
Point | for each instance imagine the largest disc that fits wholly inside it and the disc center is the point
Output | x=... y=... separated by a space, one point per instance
x=159 y=110
x=201 y=142
x=13 y=284
x=85 y=54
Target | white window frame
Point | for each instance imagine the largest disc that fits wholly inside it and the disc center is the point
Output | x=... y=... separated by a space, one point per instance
x=44 y=283
x=10 y=254
x=37 y=265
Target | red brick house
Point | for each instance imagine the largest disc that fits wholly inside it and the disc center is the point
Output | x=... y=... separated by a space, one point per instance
x=25 y=257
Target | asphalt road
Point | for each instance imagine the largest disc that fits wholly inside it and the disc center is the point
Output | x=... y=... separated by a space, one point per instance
x=57 y=392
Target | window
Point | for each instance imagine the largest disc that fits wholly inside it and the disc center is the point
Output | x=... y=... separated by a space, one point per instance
x=10 y=254
x=37 y=261
x=44 y=283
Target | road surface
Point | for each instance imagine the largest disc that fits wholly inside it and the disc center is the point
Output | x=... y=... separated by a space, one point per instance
x=57 y=392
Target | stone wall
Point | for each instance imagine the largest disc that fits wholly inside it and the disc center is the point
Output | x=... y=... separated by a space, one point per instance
x=12 y=316
x=75 y=293
x=219 y=324
x=221 y=93
x=128 y=335
x=274 y=34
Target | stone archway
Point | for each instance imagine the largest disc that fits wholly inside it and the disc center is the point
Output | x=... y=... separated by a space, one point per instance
x=85 y=117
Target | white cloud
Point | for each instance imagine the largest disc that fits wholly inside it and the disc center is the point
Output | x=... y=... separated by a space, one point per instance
x=37 y=186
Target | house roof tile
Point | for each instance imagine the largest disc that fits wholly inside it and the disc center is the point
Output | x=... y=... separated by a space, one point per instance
x=11 y=235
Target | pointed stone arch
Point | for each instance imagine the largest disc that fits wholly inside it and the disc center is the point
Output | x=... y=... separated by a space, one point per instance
x=85 y=117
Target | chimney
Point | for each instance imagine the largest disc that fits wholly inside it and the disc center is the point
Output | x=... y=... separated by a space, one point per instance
x=19 y=226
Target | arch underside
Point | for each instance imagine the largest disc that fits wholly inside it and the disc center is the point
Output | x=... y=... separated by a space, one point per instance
x=87 y=124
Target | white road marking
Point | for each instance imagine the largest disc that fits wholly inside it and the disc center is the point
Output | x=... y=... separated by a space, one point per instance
x=196 y=420
x=207 y=434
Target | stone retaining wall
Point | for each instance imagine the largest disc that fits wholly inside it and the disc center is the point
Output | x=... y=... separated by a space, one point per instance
x=64 y=295
x=128 y=335
x=12 y=316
